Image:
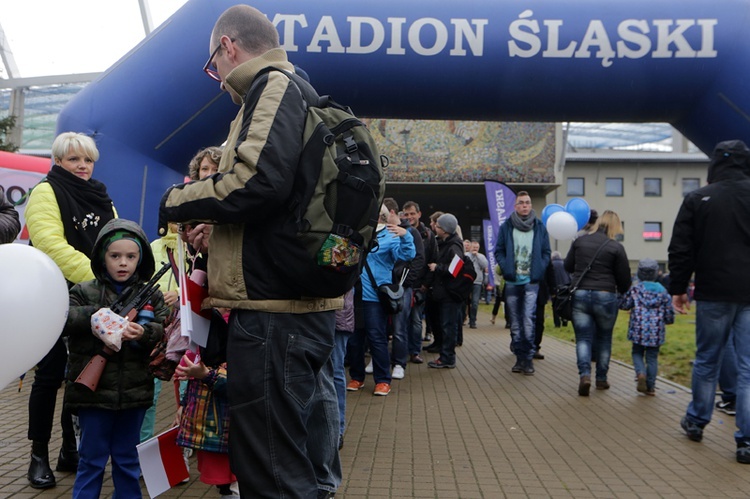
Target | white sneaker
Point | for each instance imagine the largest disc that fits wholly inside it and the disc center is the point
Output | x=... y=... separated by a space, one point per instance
x=368 y=369
x=398 y=372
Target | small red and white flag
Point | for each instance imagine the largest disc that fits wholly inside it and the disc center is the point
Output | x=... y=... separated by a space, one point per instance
x=162 y=463
x=456 y=265
x=194 y=321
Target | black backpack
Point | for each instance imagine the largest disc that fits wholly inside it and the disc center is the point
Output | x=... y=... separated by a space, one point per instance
x=460 y=286
x=335 y=200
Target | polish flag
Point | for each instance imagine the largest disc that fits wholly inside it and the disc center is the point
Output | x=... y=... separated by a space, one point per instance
x=194 y=322
x=456 y=265
x=162 y=464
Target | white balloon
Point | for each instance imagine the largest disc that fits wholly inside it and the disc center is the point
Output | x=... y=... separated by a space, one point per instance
x=562 y=226
x=33 y=308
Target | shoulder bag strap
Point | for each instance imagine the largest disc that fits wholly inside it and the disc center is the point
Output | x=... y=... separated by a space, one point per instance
x=588 y=267
x=373 y=282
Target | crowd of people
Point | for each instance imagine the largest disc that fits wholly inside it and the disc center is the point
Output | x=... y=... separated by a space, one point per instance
x=283 y=366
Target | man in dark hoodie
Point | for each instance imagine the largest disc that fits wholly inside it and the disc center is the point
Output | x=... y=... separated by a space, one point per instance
x=710 y=238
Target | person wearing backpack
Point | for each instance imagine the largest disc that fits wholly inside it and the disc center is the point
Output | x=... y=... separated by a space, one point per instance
x=283 y=299
x=523 y=253
x=450 y=249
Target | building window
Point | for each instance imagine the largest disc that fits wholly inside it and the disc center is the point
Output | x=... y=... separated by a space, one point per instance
x=652 y=187
x=613 y=187
x=689 y=185
x=576 y=186
x=652 y=231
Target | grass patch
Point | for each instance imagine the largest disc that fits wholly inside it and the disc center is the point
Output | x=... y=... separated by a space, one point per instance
x=675 y=355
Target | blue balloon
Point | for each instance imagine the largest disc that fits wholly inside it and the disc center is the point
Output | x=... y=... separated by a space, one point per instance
x=549 y=210
x=579 y=208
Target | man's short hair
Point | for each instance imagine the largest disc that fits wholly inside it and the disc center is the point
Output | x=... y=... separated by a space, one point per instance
x=522 y=193
x=435 y=216
x=411 y=204
x=391 y=204
x=248 y=27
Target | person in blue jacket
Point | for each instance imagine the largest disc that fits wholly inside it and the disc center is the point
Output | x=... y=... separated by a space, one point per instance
x=393 y=243
x=523 y=253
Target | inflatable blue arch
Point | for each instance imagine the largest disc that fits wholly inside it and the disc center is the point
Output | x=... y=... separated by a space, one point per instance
x=678 y=61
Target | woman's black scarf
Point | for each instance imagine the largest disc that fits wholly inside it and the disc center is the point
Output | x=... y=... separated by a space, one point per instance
x=84 y=206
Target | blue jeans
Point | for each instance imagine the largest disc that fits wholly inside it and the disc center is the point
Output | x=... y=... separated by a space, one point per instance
x=594 y=316
x=415 y=338
x=728 y=372
x=280 y=405
x=521 y=300
x=714 y=321
x=451 y=315
x=651 y=367
x=105 y=434
x=374 y=330
x=401 y=331
x=339 y=374
x=476 y=292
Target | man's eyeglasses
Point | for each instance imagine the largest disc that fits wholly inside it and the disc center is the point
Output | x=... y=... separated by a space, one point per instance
x=209 y=67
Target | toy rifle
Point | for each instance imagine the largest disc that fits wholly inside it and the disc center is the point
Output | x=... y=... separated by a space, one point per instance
x=127 y=305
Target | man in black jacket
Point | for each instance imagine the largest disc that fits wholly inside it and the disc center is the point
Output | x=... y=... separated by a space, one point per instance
x=429 y=249
x=450 y=248
x=711 y=238
x=280 y=342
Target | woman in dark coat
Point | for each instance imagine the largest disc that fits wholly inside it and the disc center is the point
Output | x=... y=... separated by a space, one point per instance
x=595 y=300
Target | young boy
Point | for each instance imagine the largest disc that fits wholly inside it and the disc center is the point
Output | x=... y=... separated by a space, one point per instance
x=110 y=417
x=651 y=310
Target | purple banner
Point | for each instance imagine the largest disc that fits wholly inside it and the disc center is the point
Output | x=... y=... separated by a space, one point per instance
x=500 y=201
x=489 y=245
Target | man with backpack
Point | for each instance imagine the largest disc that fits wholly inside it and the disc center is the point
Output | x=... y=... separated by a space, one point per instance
x=284 y=412
x=450 y=252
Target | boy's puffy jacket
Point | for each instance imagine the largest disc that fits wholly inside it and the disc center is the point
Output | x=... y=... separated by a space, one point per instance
x=125 y=382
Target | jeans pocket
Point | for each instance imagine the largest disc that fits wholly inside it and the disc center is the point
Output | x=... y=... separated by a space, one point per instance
x=246 y=352
x=303 y=361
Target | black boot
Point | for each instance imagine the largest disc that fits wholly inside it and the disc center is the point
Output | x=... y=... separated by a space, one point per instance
x=40 y=474
x=68 y=458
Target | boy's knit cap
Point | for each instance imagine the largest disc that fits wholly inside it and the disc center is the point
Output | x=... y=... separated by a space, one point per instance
x=647 y=269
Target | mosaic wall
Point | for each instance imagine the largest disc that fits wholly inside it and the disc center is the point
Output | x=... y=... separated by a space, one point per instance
x=466 y=151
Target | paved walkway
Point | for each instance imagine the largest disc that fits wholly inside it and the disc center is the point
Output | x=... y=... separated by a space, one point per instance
x=481 y=432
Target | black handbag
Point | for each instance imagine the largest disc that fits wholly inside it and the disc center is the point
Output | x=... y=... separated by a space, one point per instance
x=562 y=303
x=390 y=295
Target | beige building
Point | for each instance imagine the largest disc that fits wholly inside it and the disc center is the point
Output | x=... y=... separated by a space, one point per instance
x=645 y=189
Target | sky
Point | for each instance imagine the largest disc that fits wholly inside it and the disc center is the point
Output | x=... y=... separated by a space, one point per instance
x=54 y=37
